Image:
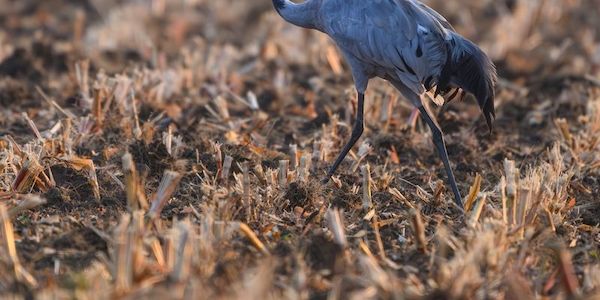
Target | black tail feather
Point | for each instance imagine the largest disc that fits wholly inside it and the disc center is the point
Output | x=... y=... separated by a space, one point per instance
x=469 y=68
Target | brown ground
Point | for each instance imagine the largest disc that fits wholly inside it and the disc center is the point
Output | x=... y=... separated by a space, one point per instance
x=185 y=86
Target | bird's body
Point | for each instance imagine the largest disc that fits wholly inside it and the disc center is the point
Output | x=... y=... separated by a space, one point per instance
x=381 y=41
x=406 y=43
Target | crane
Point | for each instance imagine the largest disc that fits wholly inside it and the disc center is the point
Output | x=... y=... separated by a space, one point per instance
x=406 y=43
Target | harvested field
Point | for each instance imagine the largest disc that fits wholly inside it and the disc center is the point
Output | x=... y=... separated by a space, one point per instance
x=175 y=149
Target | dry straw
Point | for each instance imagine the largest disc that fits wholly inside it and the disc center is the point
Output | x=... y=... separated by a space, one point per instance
x=196 y=143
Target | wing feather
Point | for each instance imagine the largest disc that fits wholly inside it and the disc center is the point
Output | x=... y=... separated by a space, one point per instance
x=437 y=16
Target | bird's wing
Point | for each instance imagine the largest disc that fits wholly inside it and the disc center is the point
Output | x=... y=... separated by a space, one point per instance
x=398 y=36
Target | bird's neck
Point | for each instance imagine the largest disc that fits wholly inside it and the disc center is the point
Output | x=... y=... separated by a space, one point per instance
x=300 y=14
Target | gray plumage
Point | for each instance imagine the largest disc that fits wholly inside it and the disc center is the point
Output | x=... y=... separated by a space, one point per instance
x=406 y=43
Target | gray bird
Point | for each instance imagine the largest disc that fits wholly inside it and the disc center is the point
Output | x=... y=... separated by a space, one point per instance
x=406 y=43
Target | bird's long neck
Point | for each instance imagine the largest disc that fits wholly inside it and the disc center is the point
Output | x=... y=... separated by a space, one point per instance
x=300 y=14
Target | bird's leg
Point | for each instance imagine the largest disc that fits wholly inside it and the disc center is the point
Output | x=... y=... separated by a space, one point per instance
x=357 y=131
x=438 y=141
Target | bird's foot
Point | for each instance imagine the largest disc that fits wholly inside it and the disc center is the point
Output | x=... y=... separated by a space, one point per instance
x=459 y=205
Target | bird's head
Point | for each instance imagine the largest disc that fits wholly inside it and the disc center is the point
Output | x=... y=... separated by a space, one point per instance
x=279 y=4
